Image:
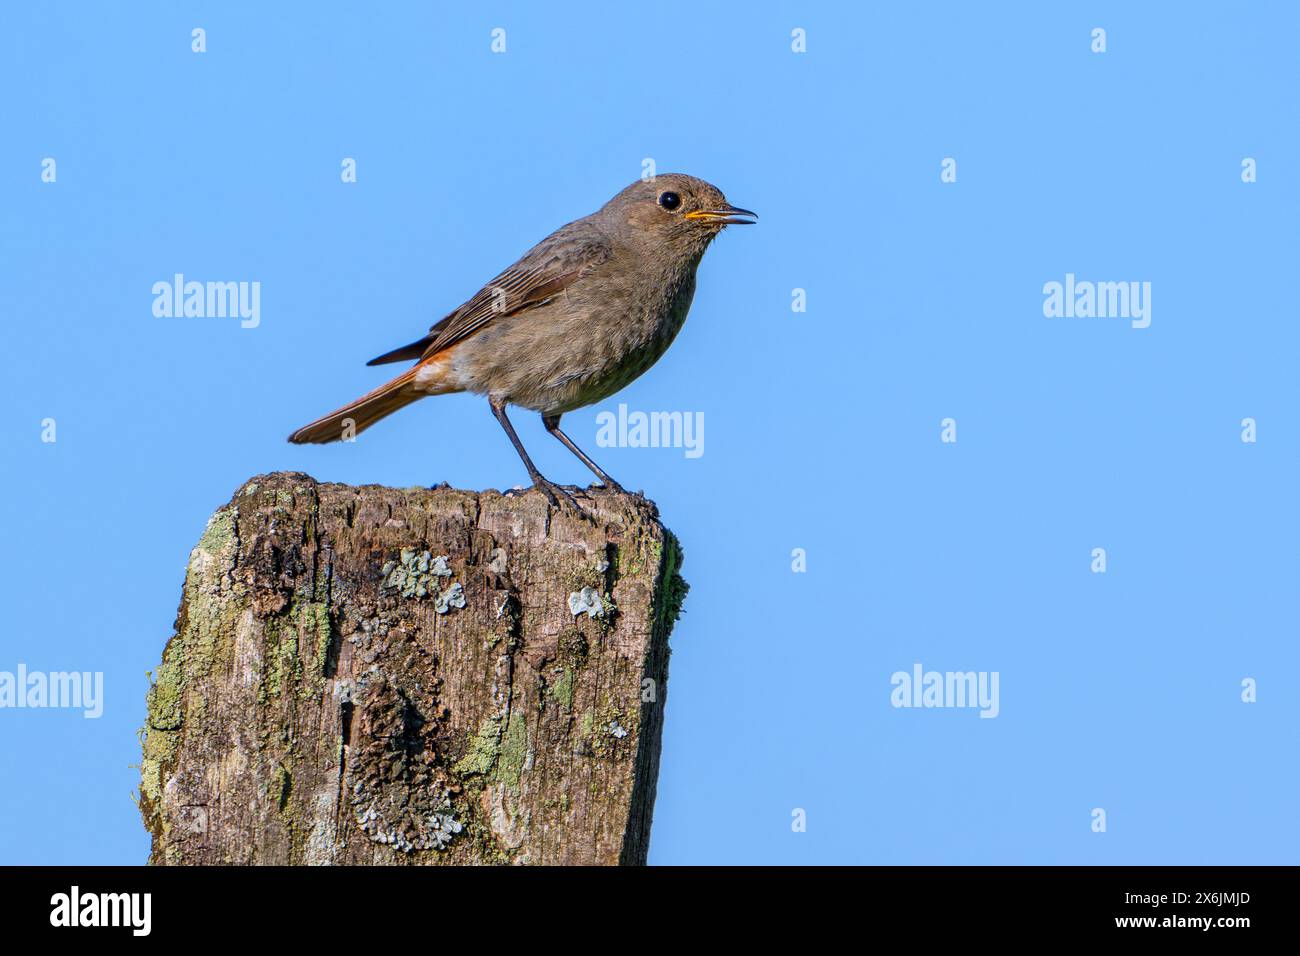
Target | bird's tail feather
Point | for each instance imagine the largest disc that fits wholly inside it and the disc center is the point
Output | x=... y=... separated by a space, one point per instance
x=362 y=413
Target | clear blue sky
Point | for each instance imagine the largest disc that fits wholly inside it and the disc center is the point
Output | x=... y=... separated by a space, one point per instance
x=1119 y=690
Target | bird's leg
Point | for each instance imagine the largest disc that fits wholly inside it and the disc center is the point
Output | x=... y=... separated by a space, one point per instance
x=552 y=423
x=551 y=491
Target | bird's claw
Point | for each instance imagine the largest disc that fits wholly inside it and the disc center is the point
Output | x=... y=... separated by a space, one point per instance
x=556 y=494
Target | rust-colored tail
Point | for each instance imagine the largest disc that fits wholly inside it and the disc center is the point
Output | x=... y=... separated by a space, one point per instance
x=362 y=413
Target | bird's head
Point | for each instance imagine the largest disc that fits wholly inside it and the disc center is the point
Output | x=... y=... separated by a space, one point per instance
x=677 y=209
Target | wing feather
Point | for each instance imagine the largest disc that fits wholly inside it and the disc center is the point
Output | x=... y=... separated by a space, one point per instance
x=544 y=272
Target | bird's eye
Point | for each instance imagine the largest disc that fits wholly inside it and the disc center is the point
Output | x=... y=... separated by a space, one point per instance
x=670 y=201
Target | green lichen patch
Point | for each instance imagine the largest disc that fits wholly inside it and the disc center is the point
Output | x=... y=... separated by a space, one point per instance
x=498 y=751
x=315 y=618
x=164 y=698
x=561 y=690
x=481 y=756
x=283 y=665
x=287 y=635
x=160 y=738
x=280 y=787
x=204 y=625
x=219 y=534
x=514 y=750
x=603 y=727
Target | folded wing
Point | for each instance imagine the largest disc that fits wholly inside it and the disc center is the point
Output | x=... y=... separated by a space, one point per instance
x=544 y=272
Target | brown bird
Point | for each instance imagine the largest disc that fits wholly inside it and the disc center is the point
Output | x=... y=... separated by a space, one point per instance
x=579 y=316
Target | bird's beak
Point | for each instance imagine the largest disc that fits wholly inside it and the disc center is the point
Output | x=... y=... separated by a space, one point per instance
x=725 y=216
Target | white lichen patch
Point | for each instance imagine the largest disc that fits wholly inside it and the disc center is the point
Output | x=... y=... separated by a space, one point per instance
x=415 y=574
x=586 y=601
x=453 y=597
x=433 y=831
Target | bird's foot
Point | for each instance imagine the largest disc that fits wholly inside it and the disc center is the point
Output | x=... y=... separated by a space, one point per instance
x=611 y=485
x=556 y=494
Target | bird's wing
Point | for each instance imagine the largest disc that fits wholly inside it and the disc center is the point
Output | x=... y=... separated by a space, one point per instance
x=545 y=271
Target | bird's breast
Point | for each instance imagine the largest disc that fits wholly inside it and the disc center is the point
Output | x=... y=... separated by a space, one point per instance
x=629 y=335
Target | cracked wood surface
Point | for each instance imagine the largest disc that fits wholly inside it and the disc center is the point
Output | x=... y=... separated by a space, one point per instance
x=370 y=675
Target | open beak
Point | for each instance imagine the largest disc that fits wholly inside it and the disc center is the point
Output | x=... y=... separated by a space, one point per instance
x=725 y=216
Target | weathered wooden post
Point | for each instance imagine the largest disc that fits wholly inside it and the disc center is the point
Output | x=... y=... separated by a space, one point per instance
x=368 y=675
